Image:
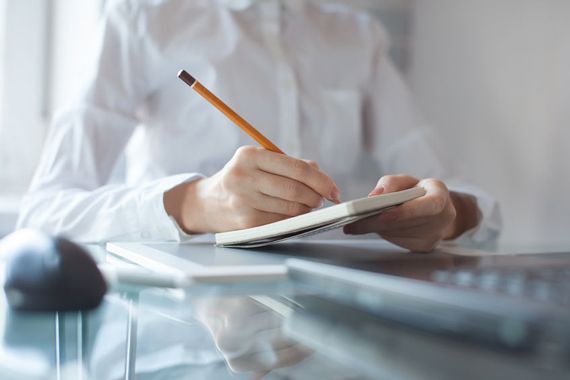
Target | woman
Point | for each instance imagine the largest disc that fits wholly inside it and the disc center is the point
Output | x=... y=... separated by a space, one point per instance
x=315 y=79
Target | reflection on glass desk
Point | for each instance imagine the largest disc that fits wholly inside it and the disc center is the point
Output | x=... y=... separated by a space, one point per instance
x=267 y=332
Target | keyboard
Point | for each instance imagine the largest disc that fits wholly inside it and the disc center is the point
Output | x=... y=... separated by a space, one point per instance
x=550 y=284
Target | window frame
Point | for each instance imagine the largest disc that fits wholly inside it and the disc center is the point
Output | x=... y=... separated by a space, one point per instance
x=2 y=55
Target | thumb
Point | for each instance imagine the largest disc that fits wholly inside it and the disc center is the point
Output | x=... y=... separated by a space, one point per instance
x=393 y=183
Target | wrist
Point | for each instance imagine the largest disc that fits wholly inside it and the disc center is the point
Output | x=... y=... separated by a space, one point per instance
x=184 y=204
x=466 y=214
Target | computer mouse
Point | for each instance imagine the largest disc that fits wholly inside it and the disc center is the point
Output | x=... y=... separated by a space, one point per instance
x=45 y=273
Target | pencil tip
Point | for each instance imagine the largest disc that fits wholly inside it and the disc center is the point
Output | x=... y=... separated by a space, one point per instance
x=187 y=78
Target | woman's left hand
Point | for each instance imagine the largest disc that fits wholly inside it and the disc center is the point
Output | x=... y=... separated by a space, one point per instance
x=418 y=225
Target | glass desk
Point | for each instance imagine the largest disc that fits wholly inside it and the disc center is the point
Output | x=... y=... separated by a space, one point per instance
x=254 y=332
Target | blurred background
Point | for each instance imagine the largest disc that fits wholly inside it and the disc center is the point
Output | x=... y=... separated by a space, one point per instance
x=491 y=77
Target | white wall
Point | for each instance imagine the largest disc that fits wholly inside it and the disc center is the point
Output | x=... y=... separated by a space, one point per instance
x=494 y=77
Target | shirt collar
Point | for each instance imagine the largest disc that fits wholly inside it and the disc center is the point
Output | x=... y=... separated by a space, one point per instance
x=240 y=5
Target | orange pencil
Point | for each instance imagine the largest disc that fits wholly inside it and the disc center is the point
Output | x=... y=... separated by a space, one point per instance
x=230 y=114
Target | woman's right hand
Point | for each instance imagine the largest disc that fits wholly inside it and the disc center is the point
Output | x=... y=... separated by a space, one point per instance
x=248 y=334
x=256 y=187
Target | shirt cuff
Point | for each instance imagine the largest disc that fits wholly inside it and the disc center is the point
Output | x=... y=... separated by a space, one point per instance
x=156 y=224
x=490 y=223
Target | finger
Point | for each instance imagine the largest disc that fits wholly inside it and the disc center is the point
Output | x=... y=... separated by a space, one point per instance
x=377 y=191
x=420 y=238
x=393 y=183
x=300 y=171
x=280 y=206
x=287 y=189
x=414 y=244
x=431 y=204
x=421 y=231
x=376 y=224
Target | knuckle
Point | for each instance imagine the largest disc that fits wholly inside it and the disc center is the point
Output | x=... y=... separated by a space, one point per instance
x=293 y=191
x=233 y=176
x=438 y=204
x=313 y=164
x=438 y=183
x=294 y=209
x=245 y=153
x=301 y=168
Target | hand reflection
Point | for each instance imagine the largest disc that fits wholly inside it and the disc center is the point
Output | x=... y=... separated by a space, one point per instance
x=248 y=335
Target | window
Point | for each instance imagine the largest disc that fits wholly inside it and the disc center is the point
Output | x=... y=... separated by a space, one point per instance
x=2 y=54
x=42 y=45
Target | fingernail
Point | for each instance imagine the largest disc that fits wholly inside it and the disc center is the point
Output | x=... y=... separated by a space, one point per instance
x=376 y=191
x=322 y=204
x=335 y=196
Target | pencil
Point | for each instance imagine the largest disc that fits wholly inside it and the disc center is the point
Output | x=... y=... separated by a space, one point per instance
x=226 y=110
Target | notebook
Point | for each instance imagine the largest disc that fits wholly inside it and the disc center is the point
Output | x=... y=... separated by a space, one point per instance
x=315 y=222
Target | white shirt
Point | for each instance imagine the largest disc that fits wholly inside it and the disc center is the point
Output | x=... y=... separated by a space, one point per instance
x=314 y=79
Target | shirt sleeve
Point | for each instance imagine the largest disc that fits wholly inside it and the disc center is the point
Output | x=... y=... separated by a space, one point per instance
x=402 y=143
x=70 y=194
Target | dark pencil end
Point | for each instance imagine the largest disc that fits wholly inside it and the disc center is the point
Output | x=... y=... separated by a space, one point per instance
x=187 y=78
